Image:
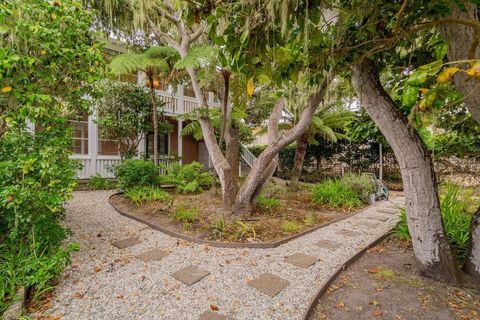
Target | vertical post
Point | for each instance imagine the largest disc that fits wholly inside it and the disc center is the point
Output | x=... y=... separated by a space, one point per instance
x=180 y=99
x=92 y=143
x=380 y=152
x=211 y=98
x=180 y=140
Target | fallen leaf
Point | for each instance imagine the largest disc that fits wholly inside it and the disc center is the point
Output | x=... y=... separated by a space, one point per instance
x=119 y=296
x=377 y=313
x=97 y=269
x=373 y=270
x=340 y=305
x=452 y=304
x=374 y=302
x=213 y=307
x=6 y=89
x=78 y=295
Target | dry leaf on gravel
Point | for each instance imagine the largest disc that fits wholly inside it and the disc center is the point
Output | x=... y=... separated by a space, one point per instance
x=213 y=307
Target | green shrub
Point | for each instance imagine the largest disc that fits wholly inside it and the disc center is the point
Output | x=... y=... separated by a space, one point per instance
x=309 y=220
x=189 y=178
x=136 y=172
x=140 y=195
x=456 y=220
x=291 y=226
x=218 y=227
x=336 y=194
x=361 y=184
x=100 y=183
x=243 y=230
x=186 y=217
x=267 y=203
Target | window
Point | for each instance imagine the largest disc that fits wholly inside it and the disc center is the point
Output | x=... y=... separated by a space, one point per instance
x=107 y=147
x=162 y=144
x=80 y=134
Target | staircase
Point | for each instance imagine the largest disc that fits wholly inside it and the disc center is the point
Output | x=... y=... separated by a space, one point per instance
x=247 y=160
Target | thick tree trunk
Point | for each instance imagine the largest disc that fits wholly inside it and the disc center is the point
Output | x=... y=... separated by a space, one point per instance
x=300 y=151
x=232 y=155
x=424 y=220
x=267 y=161
x=463 y=45
x=472 y=265
x=154 y=120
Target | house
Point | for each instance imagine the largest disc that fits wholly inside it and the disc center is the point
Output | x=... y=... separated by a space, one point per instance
x=97 y=154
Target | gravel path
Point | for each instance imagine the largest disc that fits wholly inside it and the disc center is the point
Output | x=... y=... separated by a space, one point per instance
x=105 y=282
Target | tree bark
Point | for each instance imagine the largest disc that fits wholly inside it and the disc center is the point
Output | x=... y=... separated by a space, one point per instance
x=267 y=161
x=154 y=120
x=462 y=45
x=300 y=151
x=232 y=155
x=472 y=265
x=429 y=241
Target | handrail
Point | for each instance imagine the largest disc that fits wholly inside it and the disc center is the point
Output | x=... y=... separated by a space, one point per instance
x=247 y=155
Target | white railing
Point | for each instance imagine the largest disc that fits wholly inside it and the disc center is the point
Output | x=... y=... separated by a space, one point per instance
x=247 y=156
x=99 y=167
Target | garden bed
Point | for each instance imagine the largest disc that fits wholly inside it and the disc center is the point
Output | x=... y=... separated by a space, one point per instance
x=201 y=218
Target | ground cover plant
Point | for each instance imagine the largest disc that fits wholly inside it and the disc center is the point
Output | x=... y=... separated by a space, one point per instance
x=142 y=194
x=101 y=183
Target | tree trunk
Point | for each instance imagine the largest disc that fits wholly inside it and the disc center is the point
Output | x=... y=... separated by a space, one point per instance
x=462 y=45
x=300 y=151
x=472 y=265
x=154 y=120
x=232 y=155
x=430 y=243
x=267 y=161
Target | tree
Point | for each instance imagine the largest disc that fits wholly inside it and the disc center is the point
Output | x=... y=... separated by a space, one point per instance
x=422 y=203
x=49 y=63
x=155 y=61
x=123 y=114
x=327 y=124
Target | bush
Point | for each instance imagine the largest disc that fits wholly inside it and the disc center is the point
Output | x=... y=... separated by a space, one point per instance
x=336 y=194
x=267 y=203
x=189 y=178
x=140 y=195
x=291 y=227
x=135 y=172
x=361 y=184
x=100 y=183
x=186 y=217
x=456 y=220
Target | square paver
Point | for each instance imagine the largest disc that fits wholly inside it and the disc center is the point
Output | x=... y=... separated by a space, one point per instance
x=125 y=243
x=301 y=260
x=269 y=284
x=328 y=244
x=153 y=255
x=387 y=210
x=210 y=315
x=349 y=233
x=190 y=275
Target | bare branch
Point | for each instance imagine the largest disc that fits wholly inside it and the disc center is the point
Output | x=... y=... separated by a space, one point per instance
x=197 y=33
x=162 y=35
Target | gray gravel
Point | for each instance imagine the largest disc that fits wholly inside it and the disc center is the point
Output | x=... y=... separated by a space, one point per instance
x=104 y=282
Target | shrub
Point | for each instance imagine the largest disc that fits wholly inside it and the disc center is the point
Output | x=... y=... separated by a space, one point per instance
x=100 y=183
x=335 y=194
x=267 y=203
x=290 y=226
x=218 y=227
x=361 y=184
x=186 y=217
x=309 y=220
x=140 y=195
x=456 y=220
x=136 y=172
x=189 y=178
x=244 y=229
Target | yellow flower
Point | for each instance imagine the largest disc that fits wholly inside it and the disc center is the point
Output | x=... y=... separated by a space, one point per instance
x=446 y=75
x=6 y=89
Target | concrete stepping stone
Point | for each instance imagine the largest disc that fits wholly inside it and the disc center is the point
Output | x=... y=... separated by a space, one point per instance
x=328 y=244
x=210 y=315
x=125 y=243
x=349 y=233
x=153 y=255
x=269 y=284
x=190 y=275
x=370 y=225
x=378 y=217
x=387 y=210
x=301 y=260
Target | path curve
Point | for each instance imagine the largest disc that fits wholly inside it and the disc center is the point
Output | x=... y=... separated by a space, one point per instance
x=105 y=282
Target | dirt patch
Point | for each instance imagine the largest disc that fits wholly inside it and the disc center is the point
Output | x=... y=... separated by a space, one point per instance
x=385 y=284
x=290 y=214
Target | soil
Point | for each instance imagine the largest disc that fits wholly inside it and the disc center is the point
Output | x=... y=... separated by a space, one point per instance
x=385 y=284
x=263 y=225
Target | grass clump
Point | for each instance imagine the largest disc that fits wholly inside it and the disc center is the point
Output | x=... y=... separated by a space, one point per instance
x=456 y=220
x=336 y=194
x=291 y=226
x=100 y=183
x=309 y=220
x=267 y=203
x=141 y=194
x=186 y=217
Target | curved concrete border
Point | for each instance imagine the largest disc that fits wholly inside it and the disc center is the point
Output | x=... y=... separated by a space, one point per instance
x=218 y=244
x=338 y=271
